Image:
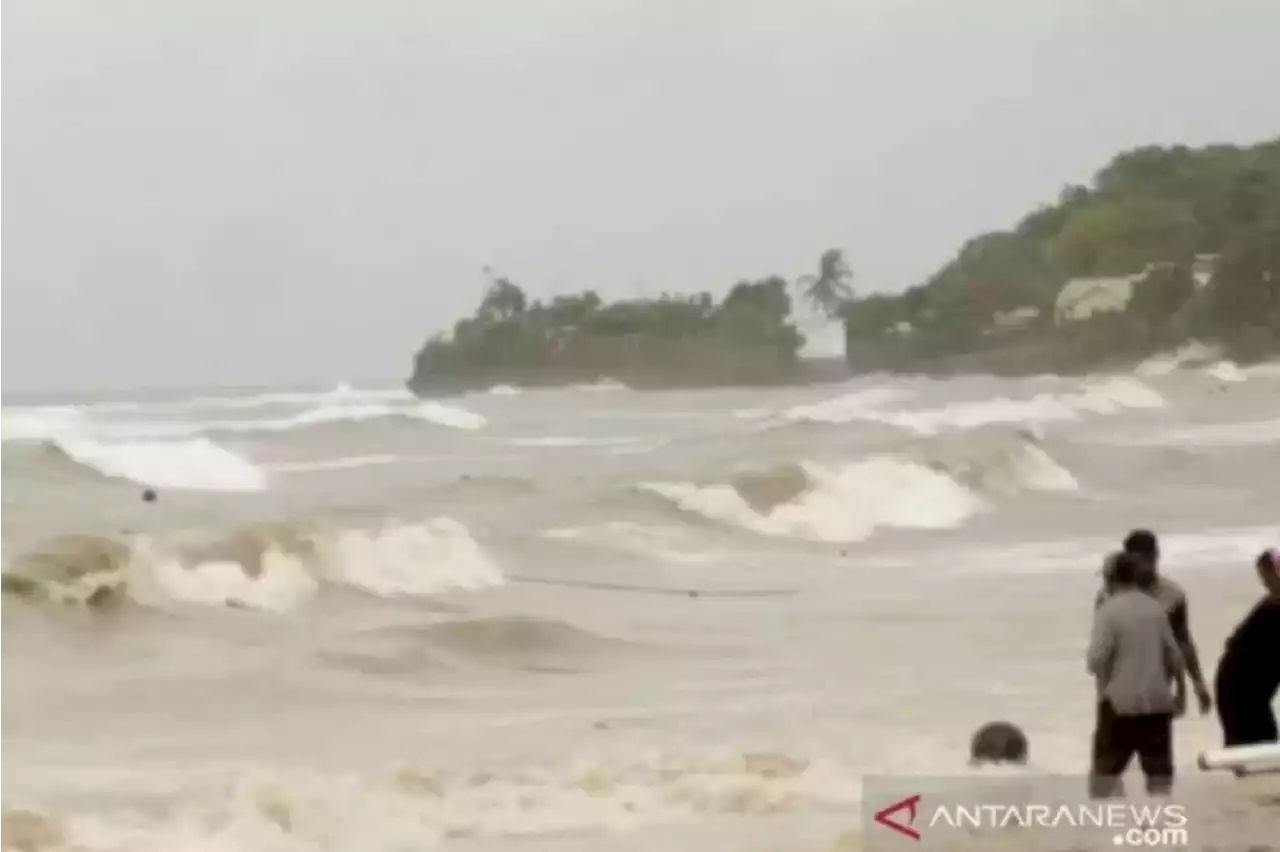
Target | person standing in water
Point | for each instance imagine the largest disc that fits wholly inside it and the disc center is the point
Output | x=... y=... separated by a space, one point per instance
x=1134 y=658
x=1248 y=675
x=1144 y=545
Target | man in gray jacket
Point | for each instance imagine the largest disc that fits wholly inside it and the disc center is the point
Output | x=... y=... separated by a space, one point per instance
x=1135 y=658
x=1143 y=544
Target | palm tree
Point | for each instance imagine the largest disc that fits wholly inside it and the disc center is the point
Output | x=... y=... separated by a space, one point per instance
x=832 y=287
x=502 y=299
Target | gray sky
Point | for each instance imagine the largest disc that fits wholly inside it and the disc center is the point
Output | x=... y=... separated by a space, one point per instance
x=228 y=192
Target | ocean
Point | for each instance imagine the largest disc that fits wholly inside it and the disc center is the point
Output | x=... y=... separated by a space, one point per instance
x=590 y=617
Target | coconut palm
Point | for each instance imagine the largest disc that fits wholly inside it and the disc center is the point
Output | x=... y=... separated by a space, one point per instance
x=832 y=287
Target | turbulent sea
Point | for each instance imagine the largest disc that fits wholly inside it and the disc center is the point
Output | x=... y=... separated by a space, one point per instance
x=586 y=618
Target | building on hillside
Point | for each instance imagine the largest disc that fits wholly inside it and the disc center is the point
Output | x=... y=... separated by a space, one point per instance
x=1081 y=298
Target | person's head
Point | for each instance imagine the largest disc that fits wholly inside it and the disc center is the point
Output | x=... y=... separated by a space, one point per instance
x=1268 y=565
x=1126 y=570
x=998 y=742
x=1143 y=544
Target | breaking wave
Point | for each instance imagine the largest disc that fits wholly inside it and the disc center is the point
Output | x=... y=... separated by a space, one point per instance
x=437 y=413
x=417 y=808
x=1192 y=354
x=197 y=464
x=1109 y=396
x=272 y=567
x=937 y=488
x=338 y=394
x=70 y=423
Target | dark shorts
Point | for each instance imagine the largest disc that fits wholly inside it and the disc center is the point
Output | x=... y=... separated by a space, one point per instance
x=1244 y=708
x=1116 y=739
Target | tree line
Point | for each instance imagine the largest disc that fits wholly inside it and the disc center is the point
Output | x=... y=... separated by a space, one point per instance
x=1159 y=215
x=745 y=336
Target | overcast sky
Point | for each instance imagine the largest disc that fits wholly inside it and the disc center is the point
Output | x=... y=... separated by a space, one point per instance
x=263 y=192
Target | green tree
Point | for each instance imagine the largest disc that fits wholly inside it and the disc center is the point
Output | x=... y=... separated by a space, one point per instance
x=1158 y=299
x=1245 y=291
x=999 y=271
x=748 y=336
x=1121 y=236
x=502 y=299
x=832 y=286
x=874 y=316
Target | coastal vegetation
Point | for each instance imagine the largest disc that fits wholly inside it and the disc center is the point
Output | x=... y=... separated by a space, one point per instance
x=1164 y=246
x=745 y=337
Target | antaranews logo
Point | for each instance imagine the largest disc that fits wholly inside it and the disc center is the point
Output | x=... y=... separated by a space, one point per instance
x=1129 y=824
x=891 y=816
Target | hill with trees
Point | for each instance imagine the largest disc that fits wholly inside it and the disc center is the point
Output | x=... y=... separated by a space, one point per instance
x=747 y=337
x=1166 y=245
x=1189 y=238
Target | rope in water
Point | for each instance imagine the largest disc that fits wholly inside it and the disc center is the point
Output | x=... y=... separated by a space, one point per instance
x=656 y=590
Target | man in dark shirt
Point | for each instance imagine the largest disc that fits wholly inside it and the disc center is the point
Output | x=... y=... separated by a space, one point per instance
x=1144 y=545
x=1249 y=672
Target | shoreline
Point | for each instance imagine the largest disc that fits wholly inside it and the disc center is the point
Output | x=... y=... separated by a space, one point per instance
x=1009 y=362
x=809 y=372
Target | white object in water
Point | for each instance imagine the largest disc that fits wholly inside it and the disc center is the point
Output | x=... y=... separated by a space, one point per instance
x=1243 y=760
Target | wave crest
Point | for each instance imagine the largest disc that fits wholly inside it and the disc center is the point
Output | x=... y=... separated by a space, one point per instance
x=939 y=486
x=72 y=423
x=197 y=464
x=272 y=567
x=419 y=808
x=1100 y=397
x=835 y=504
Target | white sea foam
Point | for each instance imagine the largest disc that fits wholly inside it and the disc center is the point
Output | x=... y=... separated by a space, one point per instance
x=412 y=809
x=846 y=408
x=38 y=423
x=271 y=568
x=197 y=464
x=408 y=559
x=438 y=413
x=279 y=582
x=1227 y=371
x=841 y=504
x=68 y=422
x=1039 y=472
x=341 y=393
x=1190 y=354
x=1097 y=397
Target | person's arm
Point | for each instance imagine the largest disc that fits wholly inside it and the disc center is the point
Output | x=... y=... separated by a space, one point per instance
x=1180 y=623
x=1102 y=645
x=1175 y=669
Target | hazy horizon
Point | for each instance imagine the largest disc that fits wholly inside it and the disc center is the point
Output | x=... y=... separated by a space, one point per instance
x=271 y=193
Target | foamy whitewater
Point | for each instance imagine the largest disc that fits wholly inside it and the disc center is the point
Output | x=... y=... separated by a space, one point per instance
x=586 y=618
